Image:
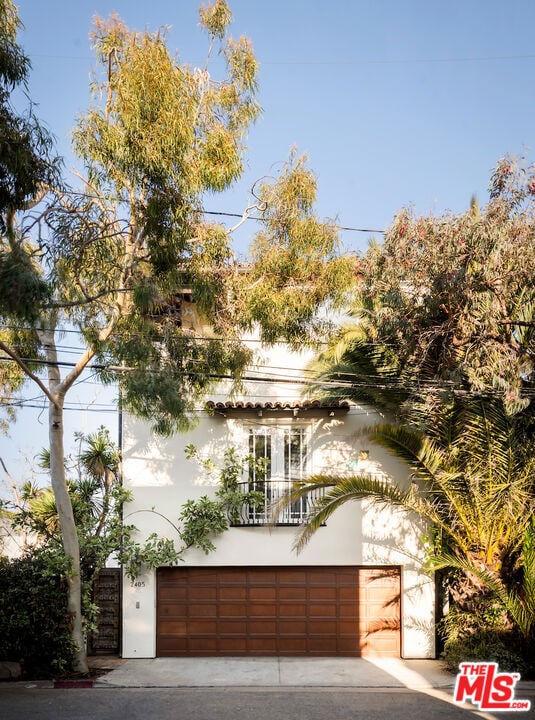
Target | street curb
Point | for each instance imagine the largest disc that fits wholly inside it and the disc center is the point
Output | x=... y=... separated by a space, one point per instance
x=70 y=684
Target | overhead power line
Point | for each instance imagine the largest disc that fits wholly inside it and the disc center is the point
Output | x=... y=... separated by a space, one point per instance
x=254 y=217
x=374 y=383
x=224 y=213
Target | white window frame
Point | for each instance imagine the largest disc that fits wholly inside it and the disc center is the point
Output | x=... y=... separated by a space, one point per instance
x=280 y=472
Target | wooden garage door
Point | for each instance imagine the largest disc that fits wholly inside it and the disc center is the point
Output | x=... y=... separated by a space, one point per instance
x=278 y=611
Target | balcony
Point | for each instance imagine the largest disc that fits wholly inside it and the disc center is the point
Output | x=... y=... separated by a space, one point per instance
x=262 y=513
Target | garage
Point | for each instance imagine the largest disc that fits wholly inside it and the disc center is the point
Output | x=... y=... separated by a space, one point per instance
x=293 y=611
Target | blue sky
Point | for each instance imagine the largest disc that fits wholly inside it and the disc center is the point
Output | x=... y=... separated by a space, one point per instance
x=396 y=102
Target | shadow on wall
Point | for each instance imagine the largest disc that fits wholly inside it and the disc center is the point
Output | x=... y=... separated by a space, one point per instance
x=150 y=460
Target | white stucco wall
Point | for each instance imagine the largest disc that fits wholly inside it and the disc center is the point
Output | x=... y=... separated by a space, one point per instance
x=161 y=479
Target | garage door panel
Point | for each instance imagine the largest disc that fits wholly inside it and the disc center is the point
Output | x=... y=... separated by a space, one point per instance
x=202 y=610
x=292 y=593
x=292 y=610
x=232 y=610
x=198 y=627
x=346 y=610
x=203 y=644
x=377 y=645
x=263 y=593
x=237 y=627
x=323 y=610
x=169 y=609
x=351 y=592
x=202 y=592
x=232 y=645
x=278 y=611
x=323 y=644
x=172 y=593
x=168 y=627
x=230 y=576
x=262 y=646
x=262 y=627
x=173 y=646
x=262 y=576
x=346 y=644
x=322 y=593
x=291 y=576
x=262 y=610
x=293 y=645
x=322 y=627
x=232 y=593
x=205 y=578
x=348 y=627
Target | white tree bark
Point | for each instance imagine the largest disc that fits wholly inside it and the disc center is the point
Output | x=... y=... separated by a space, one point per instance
x=63 y=501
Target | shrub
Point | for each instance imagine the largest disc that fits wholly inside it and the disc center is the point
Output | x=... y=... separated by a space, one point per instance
x=502 y=647
x=34 y=621
x=486 y=635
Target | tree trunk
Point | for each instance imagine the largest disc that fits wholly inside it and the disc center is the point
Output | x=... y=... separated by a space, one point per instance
x=68 y=532
x=58 y=478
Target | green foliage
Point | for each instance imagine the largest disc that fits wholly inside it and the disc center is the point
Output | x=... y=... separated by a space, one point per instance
x=34 y=621
x=24 y=292
x=97 y=500
x=154 y=552
x=485 y=634
x=24 y=144
x=500 y=646
x=12 y=378
x=200 y=521
x=354 y=366
x=14 y=65
x=296 y=270
x=455 y=293
x=441 y=339
x=25 y=165
x=472 y=482
x=215 y=18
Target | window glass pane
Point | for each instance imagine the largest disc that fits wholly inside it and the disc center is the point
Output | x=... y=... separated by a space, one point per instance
x=294 y=454
x=259 y=449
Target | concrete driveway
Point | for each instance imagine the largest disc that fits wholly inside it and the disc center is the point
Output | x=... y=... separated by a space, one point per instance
x=279 y=672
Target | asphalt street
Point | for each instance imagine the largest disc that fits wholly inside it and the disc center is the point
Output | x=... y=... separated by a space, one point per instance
x=18 y=702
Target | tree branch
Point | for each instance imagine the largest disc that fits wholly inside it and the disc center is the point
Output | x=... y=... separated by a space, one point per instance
x=26 y=370
x=88 y=299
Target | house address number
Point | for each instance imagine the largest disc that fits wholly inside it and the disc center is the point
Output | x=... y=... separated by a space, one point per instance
x=137 y=584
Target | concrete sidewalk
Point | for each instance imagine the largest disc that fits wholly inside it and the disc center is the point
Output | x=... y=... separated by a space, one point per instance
x=279 y=672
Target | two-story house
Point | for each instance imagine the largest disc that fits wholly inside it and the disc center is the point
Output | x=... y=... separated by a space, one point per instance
x=358 y=586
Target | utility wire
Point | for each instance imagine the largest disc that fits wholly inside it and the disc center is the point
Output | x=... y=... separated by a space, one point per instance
x=382 y=384
x=223 y=213
x=334 y=225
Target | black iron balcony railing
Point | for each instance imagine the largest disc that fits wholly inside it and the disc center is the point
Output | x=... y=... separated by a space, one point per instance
x=267 y=494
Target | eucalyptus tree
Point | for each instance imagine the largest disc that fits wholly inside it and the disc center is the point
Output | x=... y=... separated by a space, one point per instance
x=121 y=257
x=25 y=164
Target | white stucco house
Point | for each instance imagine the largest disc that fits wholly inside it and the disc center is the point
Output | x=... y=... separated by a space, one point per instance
x=358 y=586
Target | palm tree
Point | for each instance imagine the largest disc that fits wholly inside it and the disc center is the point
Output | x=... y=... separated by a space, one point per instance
x=97 y=465
x=473 y=469
x=355 y=366
x=100 y=459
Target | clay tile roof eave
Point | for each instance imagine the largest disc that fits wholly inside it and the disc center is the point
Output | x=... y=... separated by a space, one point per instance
x=278 y=405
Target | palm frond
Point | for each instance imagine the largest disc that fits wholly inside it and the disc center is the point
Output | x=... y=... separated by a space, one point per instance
x=338 y=492
x=421 y=453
